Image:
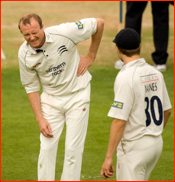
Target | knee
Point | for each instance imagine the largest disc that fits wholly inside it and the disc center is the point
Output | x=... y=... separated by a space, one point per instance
x=48 y=147
x=72 y=154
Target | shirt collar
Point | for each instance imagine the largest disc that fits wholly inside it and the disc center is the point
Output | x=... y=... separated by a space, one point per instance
x=138 y=61
x=48 y=39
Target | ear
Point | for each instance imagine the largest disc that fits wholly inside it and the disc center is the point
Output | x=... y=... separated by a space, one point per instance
x=118 y=50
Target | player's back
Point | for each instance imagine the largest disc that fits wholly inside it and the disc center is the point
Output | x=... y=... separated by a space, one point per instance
x=140 y=99
x=148 y=87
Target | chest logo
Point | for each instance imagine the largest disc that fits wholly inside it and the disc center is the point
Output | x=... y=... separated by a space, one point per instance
x=62 y=49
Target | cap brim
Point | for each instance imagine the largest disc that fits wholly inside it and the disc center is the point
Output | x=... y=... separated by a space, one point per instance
x=114 y=41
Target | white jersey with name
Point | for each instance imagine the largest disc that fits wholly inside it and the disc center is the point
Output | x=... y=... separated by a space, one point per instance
x=56 y=66
x=140 y=99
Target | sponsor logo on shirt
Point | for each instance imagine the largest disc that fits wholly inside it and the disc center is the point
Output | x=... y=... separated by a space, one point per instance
x=117 y=104
x=79 y=24
x=56 y=70
x=150 y=82
x=149 y=78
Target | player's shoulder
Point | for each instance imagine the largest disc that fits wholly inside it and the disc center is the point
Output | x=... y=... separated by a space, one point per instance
x=126 y=72
x=53 y=29
x=153 y=70
x=146 y=72
x=23 y=50
x=124 y=76
x=63 y=28
x=134 y=70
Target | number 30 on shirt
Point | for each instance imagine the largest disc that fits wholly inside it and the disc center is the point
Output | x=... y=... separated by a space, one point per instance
x=151 y=115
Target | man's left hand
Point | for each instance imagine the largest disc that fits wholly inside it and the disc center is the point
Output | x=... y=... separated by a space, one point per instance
x=107 y=169
x=85 y=63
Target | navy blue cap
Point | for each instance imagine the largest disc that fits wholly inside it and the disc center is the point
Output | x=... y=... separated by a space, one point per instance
x=127 y=39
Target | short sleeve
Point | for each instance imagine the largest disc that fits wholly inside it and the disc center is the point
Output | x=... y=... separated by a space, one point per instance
x=29 y=78
x=166 y=100
x=123 y=100
x=76 y=31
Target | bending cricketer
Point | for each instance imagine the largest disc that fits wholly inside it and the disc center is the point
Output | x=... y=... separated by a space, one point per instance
x=141 y=109
x=50 y=57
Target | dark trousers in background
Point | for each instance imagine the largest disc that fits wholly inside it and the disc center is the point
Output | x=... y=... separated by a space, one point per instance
x=160 y=25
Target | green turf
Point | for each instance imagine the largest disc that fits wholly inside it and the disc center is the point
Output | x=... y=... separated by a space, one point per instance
x=19 y=130
x=20 y=133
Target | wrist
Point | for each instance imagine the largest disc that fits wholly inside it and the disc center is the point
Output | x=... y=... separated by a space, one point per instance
x=39 y=118
x=92 y=56
x=108 y=156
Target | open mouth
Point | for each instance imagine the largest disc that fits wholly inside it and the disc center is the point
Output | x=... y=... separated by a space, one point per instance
x=34 y=41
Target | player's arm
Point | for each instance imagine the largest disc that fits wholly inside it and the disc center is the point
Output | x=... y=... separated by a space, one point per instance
x=30 y=81
x=167 y=114
x=116 y=133
x=86 y=61
x=44 y=126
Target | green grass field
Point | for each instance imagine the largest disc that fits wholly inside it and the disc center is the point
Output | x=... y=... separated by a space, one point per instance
x=19 y=130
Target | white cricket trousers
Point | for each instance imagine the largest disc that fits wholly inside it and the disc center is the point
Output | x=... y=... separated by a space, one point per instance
x=74 y=111
x=136 y=159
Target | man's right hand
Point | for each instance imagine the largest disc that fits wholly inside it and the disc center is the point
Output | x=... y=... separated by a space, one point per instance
x=45 y=128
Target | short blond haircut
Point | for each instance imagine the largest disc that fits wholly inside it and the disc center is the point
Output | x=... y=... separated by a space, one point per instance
x=26 y=19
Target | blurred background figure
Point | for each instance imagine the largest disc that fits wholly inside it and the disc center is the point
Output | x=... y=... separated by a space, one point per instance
x=2 y=54
x=160 y=12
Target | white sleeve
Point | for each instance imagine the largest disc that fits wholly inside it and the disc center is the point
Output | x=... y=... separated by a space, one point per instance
x=123 y=101
x=166 y=100
x=76 y=31
x=29 y=78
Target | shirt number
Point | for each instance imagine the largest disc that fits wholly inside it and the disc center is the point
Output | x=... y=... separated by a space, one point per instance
x=152 y=115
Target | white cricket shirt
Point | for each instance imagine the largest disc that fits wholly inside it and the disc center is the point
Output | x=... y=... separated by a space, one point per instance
x=56 y=66
x=140 y=99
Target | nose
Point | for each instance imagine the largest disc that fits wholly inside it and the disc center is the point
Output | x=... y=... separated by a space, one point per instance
x=32 y=37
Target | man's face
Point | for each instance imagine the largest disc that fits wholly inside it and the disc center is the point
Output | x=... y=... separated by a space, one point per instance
x=33 y=34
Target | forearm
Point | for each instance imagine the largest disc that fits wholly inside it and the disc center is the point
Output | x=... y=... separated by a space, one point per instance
x=116 y=133
x=167 y=114
x=87 y=61
x=34 y=99
x=44 y=126
x=96 y=39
